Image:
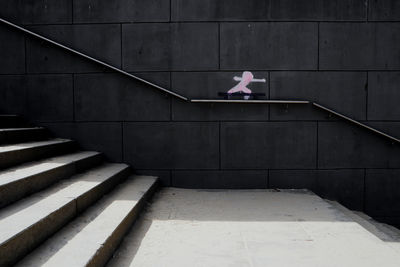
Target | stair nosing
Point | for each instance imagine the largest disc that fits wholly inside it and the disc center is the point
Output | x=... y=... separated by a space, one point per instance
x=43 y=143
x=46 y=160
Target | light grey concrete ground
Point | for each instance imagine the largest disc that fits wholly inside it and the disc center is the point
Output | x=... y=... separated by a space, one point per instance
x=249 y=228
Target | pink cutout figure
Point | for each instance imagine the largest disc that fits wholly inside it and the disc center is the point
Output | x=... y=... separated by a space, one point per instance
x=247 y=77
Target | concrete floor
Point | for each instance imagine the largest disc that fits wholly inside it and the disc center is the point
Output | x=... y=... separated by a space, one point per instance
x=249 y=228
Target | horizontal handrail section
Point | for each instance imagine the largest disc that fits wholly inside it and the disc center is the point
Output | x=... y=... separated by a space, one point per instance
x=253 y=101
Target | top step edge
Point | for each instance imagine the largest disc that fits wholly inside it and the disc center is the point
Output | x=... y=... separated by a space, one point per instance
x=21 y=128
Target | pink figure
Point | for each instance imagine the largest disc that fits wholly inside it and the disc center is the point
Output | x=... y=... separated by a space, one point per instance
x=247 y=77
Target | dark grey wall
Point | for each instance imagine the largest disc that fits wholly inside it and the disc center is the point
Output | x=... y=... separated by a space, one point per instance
x=344 y=54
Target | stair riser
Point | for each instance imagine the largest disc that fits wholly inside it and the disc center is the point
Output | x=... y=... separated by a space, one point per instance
x=20 y=136
x=17 y=247
x=11 y=122
x=14 y=191
x=8 y=159
x=104 y=254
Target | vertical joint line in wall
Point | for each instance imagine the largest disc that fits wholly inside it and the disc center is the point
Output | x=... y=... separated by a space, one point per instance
x=219 y=45
x=366 y=97
x=121 y=45
x=26 y=68
x=72 y=11
x=170 y=10
x=316 y=150
x=73 y=97
x=219 y=144
x=318 y=45
x=122 y=141
x=170 y=178
x=364 y=189
x=367 y=10
x=268 y=179
x=269 y=94
x=170 y=98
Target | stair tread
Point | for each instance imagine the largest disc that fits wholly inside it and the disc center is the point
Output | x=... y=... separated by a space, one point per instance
x=28 y=145
x=32 y=168
x=21 y=129
x=83 y=237
x=384 y=233
x=25 y=213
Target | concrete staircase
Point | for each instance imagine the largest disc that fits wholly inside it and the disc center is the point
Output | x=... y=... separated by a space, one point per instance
x=63 y=206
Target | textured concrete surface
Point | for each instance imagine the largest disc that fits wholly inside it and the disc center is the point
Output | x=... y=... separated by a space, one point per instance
x=249 y=228
x=92 y=237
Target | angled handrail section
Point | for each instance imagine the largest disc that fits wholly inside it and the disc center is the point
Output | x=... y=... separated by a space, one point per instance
x=256 y=101
x=356 y=122
x=41 y=37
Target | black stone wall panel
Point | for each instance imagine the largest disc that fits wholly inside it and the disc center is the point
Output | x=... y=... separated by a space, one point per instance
x=344 y=92
x=37 y=11
x=359 y=46
x=119 y=11
x=262 y=45
x=113 y=97
x=220 y=179
x=384 y=10
x=105 y=137
x=271 y=145
x=344 y=186
x=12 y=51
x=39 y=97
x=383 y=96
x=167 y=145
x=50 y=97
x=211 y=10
x=13 y=94
x=321 y=10
x=382 y=192
x=268 y=10
x=343 y=145
x=101 y=41
x=175 y=46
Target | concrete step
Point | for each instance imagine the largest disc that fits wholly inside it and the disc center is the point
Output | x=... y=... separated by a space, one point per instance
x=27 y=223
x=26 y=179
x=11 y=121
x=20 y=135
x=389 y=235
x=390 y=230
x=20 y=153
x=91 y=239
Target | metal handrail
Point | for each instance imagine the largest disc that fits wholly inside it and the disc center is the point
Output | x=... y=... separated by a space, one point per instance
x=92 y=59
x=356 y=122
x=260 y=101
x=255 y=101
